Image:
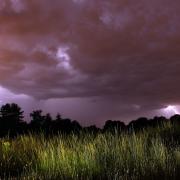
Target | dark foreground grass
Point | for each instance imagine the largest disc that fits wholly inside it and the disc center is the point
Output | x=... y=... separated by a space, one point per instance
x=152 y=154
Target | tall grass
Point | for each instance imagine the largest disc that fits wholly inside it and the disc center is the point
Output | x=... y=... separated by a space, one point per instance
x=143 y=155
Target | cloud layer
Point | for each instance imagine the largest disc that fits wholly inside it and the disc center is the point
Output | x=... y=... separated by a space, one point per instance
x=125 y=53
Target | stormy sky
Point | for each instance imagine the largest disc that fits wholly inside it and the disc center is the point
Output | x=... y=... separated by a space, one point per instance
x=91 y=60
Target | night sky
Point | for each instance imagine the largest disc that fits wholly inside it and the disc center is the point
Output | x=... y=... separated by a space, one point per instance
x=91 y=60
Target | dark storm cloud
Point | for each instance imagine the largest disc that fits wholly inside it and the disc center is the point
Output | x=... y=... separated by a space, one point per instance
x=124 y=52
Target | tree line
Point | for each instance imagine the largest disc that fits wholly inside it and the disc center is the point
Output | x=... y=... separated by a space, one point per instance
x=12 y=123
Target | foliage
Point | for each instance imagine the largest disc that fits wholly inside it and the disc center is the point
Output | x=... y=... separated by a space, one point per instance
x=48 y=148
x=137 y=155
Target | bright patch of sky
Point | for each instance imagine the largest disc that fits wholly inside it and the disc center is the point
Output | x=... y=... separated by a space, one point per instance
x=6 y=96
x=170 y=110
x=63 y=57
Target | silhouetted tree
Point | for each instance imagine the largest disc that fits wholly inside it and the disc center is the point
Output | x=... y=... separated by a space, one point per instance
x=138 y=124
x=157 y=121
x=63 y=125
x=47 y=123
x=11 y=119
x=76 y=127
x=37 y=120
x=114 y=126
x=175 y=119
x=58 y=117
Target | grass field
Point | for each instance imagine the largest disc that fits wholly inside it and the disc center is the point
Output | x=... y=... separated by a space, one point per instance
x=151 y=154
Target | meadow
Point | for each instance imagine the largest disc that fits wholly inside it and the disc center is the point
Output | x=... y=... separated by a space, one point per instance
x=153 y=153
